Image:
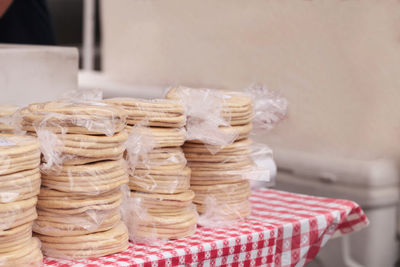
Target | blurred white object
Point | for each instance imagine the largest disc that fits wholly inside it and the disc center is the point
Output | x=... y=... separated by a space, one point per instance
x=36 y=73
x=113 y=88
x=262 y=157
x=372 y=184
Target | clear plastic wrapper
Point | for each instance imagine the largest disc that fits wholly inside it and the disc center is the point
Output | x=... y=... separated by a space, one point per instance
x=72 y=214
x=19 y=174
x=92 y=245
x=76 y=133
x=156 y=217
x=153 y=113
x=15 y=238
x=222 y=180
x=17 y=213
x=263 y=166
x=7 y=121
x=209 y=116
x=88 y=179
x=77 y=149
x=215 y=213
x=155 y=137
x=221 y=204
x=162 y=180
x=242 y=160
x=91 y=118
x=269 y=107
x=215 y=115
x=27 y=255
x=19 y=186
x=153 y=168
x=18 y=153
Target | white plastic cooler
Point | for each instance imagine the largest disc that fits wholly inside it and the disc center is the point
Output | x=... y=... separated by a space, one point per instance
x=372 y=184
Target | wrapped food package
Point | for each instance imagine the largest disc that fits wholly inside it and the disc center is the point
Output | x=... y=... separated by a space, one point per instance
x=158 y=205
x=220 y=153
x=82 y=146
x=19 y=187
x=7 y=126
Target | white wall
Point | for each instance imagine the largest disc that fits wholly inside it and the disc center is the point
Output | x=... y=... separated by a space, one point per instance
x=338 y=62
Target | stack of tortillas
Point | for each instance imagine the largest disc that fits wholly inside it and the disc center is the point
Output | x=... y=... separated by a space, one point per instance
x=161 y=202
x=220 y=172
x=19 y=187
x=6 y=112
x=82 y=173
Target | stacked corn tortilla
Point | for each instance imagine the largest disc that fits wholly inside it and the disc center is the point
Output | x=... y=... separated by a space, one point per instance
x=160 y=204
x=6 y=112
x=19 y=187
x=220 y=179
x=82 y=173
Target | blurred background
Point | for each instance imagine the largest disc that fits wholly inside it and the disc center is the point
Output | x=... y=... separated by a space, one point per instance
x=337 y=63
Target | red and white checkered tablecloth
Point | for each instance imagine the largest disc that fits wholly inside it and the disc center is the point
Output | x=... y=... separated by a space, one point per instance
x=285 y=229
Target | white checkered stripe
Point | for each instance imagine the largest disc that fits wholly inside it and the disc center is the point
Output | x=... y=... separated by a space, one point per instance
x=284 y=229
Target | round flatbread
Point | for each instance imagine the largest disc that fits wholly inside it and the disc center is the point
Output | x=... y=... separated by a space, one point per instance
x=16 y=213
x=160 y=137
x=226 y=211
x=237 y=107
x=163 y=203
x=86 y=246
x=19 y=186
x=80 y=118
x=89 y=179
x=155 y=112
x=167 y=181
x=28 y=255
x=57 y=224
x=166 y=157
x=51 y=199
x=18 y=153
x=6 y=112
x=15 y=238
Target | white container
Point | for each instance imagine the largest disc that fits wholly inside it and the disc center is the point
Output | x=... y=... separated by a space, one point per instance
x=32 y=73
x=373 y=185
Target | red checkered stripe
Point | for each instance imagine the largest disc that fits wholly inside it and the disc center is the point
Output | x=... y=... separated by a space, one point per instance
x=304 y=223
x=209 y=243
x=205 y=244
x=255 y=257
x=285 y=229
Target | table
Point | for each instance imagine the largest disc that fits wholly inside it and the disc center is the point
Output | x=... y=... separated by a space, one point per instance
x=284 y=229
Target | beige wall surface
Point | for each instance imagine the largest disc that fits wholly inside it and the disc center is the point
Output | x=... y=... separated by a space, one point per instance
x=337 y=62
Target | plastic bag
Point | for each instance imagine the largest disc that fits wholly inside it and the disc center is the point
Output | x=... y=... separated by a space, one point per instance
x=19 y=168
x=73 y=214
x=156 y=163
x=94 y=178
x=152 y=113
x=19 y=185
x=27 y=255
x=159 y=217
x=7 y=121
x=16 y=213
x=92 y=245
x=18 y=153
x=209 y=115
x=76 y=133
x=92 y=118
x=221 y=204
x=269 y=107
